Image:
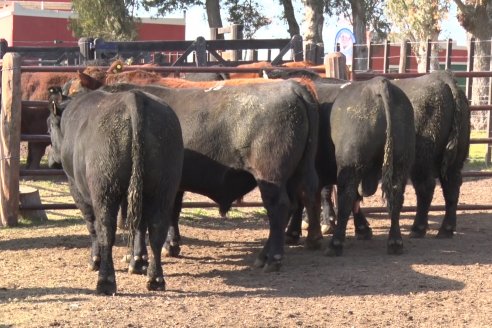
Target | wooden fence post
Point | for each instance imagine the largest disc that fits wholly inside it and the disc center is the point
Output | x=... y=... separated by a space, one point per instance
x=86 y=53
x=201 y=51
x=336 y=66
x=10 y=122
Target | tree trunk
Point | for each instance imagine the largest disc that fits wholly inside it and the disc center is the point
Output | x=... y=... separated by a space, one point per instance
x=290 y=18
x=474 y=17
x=359 y=25
x=481 y=63
x=421 y=50
x=313 y=39
x=213 y=15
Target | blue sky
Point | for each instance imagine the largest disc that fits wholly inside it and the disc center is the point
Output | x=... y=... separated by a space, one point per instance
x=196 y=25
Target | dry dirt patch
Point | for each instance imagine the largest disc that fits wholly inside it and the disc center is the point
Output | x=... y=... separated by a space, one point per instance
x=44 y=279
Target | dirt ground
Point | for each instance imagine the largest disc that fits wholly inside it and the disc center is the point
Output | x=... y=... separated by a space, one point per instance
x=44 y=280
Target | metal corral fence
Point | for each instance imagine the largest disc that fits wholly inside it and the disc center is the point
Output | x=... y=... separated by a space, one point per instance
x=10 y=136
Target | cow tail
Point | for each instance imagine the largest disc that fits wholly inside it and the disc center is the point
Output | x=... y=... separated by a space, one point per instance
x=308 y=95
x=460 y=114
x=387 y=170
x=135 y=188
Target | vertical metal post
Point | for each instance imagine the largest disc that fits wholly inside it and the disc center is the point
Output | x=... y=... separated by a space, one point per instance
x=386 y=56
x=449 y=51
x=469 y=67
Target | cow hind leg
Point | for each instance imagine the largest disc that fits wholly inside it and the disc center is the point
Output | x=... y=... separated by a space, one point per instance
x=328 y=215
x=35 y=151
x=347 y=194
x=277 y=203
x=451 y=190
x=139 y=260
x=88 y=214
x=395 y=204
x=106 y=232
x=158 y=225
x=362 y=229
x=172 y=244
x=293 y=233
x=424 y=186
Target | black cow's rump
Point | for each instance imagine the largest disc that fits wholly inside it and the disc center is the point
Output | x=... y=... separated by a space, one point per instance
x=239 y=137
x=114 y=147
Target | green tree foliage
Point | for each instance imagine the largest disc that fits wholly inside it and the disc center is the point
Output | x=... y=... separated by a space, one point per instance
x=369 y=14
x=107 y=19
x=418 y=21
x=248 y=13
x=476 y=18
x=164 y=7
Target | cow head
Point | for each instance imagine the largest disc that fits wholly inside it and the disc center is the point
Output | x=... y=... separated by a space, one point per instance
x=84 y=82
x=56 y=105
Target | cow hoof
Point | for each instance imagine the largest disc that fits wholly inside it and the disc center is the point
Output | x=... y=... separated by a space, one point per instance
x=292 y=238
x=445 y=233
x=157 y=284
x=273 y=266
x=171 y=250
x=335 y=248
x=395 y=246
x=313 y=244
x=138 y=265
x=418 y=231
x=106 y=287
x=260 y=262
x=363 y=233
x=94 y=263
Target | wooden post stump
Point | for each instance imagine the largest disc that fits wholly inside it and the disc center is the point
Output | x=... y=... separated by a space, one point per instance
x=335 y=65
x=29 y=196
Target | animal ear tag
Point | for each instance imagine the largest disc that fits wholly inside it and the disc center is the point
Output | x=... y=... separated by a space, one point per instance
x=55 y=99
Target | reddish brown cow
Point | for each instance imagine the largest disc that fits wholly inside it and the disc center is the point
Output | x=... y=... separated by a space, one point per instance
x=34 y=86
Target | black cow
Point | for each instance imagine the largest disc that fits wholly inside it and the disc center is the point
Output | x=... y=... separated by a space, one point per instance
x=239 y=137
x=113 y=147
x=374 y=139
x=442 y=127
x=366 y=133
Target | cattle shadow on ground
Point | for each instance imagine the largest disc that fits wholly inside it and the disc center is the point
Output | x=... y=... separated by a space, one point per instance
x=365 y=268
x=26 y=294
x=47 y=242
x=246 y=221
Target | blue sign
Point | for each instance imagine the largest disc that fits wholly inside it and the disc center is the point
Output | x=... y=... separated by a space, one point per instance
x=345 y=39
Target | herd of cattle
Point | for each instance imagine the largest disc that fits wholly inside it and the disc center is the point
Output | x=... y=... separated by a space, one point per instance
x=137 y=141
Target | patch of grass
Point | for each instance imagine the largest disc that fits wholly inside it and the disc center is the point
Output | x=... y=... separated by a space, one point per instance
x=477 y=153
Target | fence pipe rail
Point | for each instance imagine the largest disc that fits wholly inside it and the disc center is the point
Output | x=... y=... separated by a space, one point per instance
x=50 y=172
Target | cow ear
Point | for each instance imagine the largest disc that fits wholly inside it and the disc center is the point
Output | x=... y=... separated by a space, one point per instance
x=88 y=81
x=116 y=67
x=55 y=100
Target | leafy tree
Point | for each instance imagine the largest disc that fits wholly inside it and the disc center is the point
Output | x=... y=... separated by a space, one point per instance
x=108 y=19
x=419 y=21
x=476 y=18
x=362 y=14
x=246 y=13
x=289 y=16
